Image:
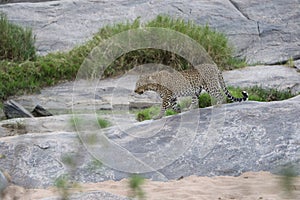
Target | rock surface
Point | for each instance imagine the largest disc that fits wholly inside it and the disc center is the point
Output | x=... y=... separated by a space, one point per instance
x=263 y=32
x=118 y=92
x=92 y=196
x=3 y=182
x=14 y=110
x=225 y=140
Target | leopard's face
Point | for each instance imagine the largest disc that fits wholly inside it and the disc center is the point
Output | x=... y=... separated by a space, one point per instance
x=143 y=84
x=140 y=90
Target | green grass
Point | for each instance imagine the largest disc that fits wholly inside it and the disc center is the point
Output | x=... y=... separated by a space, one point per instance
x=16 y=42
x=63 y=185
x=148 y=113
x=135 y=185
x=103 y=123
x=29 y=76
x=256 y=93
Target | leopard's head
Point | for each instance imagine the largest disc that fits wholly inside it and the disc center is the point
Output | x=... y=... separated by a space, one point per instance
x=143 y=84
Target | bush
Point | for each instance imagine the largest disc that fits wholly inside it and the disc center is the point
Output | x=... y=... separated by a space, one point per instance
x=103 y=123
x=16 y=43
x=148 y=113
x=30 y=76
x=257 y=93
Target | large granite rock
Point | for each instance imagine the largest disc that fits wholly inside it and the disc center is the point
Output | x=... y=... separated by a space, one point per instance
x=262 y=31
x=225 y=140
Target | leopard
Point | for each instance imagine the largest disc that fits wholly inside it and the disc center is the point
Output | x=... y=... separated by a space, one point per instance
x=191 y=82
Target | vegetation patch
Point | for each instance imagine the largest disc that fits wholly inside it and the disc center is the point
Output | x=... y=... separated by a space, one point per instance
x=103 y=123
x=16 y=42
x=21 y=71
x=135 y=185
x=256 y=93
x=148 y=113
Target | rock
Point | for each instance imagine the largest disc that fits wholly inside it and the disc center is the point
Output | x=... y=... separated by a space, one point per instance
x=225 y=140
x=39 y=111
x=275 y=76
x=3 y=182
x=297 y=65
x=13 y=192
x=21 y=1
x=12 y=109
x=92 y=196
x=113 y=93
x=262 y=33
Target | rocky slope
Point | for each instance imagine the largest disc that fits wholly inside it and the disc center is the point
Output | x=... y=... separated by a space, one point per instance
x=267 y=32
x=226 y=140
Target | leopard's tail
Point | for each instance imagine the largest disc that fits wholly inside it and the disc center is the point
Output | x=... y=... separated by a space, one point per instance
x=235 y=99
x=227 y=93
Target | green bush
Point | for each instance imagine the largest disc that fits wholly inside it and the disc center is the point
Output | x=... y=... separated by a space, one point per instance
x=29 y=76
x=148 y=113
x=204 y=100
x=258 y=93
x=135 y=185
x=16 y=43
x=103 y=123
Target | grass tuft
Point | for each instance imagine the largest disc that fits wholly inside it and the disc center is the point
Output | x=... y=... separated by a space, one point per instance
x=135 y=184
x=103 y=123
x=16 y=42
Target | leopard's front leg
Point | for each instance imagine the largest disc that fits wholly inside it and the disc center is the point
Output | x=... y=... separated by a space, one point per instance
x=166 y=103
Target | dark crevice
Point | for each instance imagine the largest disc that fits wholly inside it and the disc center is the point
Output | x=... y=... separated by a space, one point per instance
x=179 y=9
x=283 y=62
x=239 y=9
x=258 y=29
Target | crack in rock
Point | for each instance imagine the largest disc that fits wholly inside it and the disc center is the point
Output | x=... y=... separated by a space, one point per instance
x=236 y=6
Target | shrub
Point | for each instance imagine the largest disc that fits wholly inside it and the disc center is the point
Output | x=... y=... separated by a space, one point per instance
x=135 y=185
x=16 y=43
x=30 y=76
x=148 y=113
x=257 y=93
x=103 y=123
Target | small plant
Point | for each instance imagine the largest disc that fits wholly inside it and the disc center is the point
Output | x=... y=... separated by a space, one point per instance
x=69 y=160
x=148 y=113
x=62 y=183
x=290 y=62
x=103 y=123
x=95 y=164
x=204 y=100
x=185 y=103
x=75 y=121
x=135 y=184
x=170 y=112
x=288 y=180
x=17 y=43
